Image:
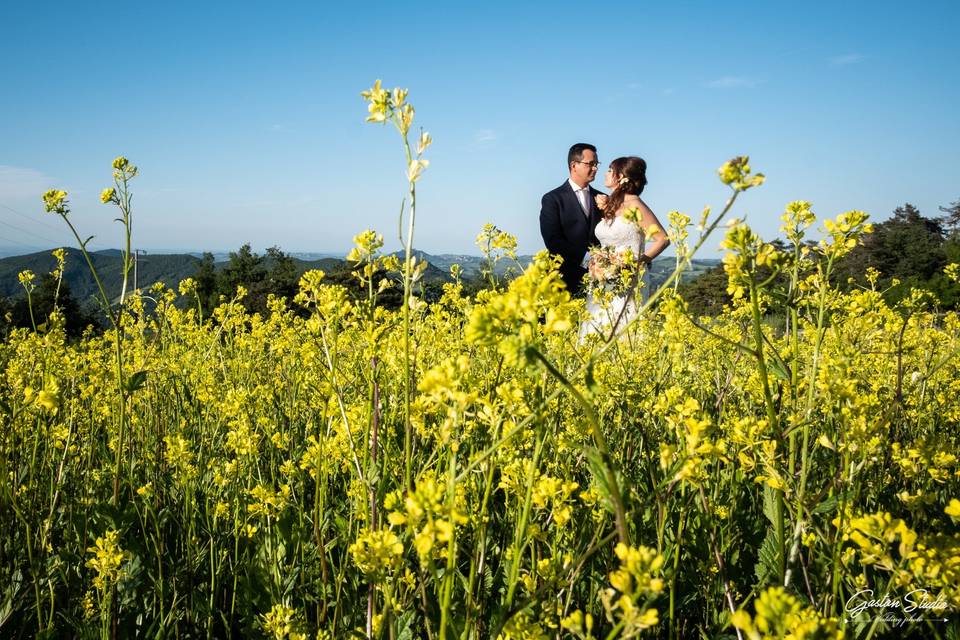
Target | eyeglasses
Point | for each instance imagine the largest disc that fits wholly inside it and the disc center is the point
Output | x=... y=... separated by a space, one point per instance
x=592 y=165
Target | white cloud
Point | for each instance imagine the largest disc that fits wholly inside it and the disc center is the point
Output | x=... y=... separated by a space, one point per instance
x=732 y=82
x=484 y=135
x=20 y=183
x=849 y=58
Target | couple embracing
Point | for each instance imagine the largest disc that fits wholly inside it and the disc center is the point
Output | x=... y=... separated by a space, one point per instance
x=584 y=226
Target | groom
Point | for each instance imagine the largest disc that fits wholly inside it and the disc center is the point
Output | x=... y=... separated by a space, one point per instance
x=569 y=215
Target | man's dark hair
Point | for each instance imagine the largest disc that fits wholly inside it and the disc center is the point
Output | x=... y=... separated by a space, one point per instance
x=576 y=152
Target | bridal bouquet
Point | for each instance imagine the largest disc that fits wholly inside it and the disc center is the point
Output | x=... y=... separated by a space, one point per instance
x=613 y=271
x=606 y=263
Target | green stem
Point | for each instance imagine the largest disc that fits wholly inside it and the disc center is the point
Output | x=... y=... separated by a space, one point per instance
x=116 y=322
x=407 y=285
x=124 y=203
x=520 y=534
x=599 y=442
x=772 y=419
x=805 y=444
x=449 y=573
x=33 y=323
x=674 y=631
x=477 y=559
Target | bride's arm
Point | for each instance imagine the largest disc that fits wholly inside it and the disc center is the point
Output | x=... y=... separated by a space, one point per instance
x=658 y=241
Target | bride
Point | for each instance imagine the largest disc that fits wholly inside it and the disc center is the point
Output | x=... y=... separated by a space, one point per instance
x=617 y=267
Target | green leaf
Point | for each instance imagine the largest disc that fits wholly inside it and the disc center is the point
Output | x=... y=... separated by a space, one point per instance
x=829 y=505
x=770 y=504
x=373 y=474
x=598 y=470
x=405 y=625
x=768 y=563
x=136 y=381
x=13 y=593
x=778 y=370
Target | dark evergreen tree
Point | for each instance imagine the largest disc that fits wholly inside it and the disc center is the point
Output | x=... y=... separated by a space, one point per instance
x=951 y=221
x=905 y=245
x=244 y=268
x=909 y=249
x=206 y=279
x=283 y=274
x=706 y=294
x=42 y=301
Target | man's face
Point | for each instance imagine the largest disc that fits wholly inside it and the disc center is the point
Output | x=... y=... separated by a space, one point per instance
x=585 y=170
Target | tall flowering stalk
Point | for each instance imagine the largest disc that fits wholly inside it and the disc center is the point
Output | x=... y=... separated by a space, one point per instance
x=746 y=254
x=26 y=278
x=55 y=201
x=392 y=106
x=119 y=194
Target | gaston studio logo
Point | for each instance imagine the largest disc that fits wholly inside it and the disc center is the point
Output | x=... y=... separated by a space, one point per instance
x=916 y=606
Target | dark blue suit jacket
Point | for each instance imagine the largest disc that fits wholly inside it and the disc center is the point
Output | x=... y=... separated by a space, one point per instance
x=567 y=232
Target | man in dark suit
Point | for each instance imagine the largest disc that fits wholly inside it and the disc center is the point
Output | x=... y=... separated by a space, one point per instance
x=569 y=215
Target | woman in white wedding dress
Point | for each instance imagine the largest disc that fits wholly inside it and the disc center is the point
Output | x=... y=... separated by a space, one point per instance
x=611 y=305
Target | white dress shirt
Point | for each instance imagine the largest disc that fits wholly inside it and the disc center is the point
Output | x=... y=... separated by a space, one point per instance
x=583 y=195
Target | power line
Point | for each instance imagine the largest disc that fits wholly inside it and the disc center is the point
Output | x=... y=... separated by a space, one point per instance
x=54 y=243
x=33 y=219
x=27 y=246
x=28 y=232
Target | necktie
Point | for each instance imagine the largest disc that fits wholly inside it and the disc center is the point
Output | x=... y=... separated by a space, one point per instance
x=582 y=196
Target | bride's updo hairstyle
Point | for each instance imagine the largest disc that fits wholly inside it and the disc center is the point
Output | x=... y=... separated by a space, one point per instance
x=632 y=172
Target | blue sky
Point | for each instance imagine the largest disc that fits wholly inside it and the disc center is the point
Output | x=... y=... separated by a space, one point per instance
x=247 y=124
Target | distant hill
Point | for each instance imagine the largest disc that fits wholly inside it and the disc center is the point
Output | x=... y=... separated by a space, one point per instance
x=661 y=269
x=438 y=266
x=169 y=269
x=223 y=256
x=323 y=264
x=472 y=266
x=172 y=268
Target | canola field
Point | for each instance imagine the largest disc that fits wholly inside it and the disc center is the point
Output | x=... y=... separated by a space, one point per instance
x=472 y=469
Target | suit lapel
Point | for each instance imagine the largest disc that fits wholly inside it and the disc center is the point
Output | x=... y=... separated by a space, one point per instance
x=572 y=201
x=594 y=210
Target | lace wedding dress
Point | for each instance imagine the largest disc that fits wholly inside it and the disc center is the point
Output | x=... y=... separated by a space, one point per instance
x=620 y=235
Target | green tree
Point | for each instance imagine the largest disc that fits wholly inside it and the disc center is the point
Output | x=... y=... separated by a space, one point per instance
x=43 y=299
x=909 y=250
x=206 y=278
x=282 y=275
x=951 y=221
x=275 y=273
x=245 y=268
x=908 y=244
x=706 y=294
x=951 y=227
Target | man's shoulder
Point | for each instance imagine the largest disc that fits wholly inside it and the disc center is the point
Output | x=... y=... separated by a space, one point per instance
x=559 y=190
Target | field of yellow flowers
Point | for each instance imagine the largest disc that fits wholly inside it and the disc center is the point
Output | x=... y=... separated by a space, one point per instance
x=471 y=469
